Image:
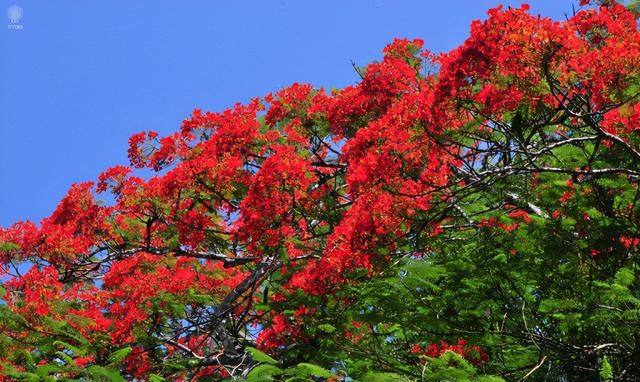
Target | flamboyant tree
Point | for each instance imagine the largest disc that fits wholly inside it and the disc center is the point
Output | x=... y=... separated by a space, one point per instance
x=465 y=216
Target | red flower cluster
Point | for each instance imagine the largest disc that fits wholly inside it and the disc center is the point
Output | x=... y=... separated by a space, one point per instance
x=471 y=353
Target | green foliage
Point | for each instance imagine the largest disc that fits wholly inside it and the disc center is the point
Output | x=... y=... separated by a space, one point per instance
x=119 y=355
x=606 y=371
x=384 y=377
x=259 y=356
x=106 y=374
x=301 y=372
x=452 y=367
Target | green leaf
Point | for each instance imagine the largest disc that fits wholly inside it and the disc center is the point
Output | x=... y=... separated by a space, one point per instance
x=265 y=370
x=119 y=355
x=76 y=350
x=7 y=246
x=500 y=258
x=66 y=358
x=384 y=377
x=258 y=378
x=259 y=356
x=327 y=328
x=45 y=370
x=606 y=371
x=625 y=276
x=105 y=374
x=262 y=307
x=307 y=369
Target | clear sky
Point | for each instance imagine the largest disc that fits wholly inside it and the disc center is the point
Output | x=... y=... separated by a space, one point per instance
x=81 y=76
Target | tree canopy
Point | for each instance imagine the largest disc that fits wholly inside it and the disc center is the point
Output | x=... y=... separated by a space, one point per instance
x=468 y=216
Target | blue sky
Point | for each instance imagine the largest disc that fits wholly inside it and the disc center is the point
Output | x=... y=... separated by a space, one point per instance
x=81 y=76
